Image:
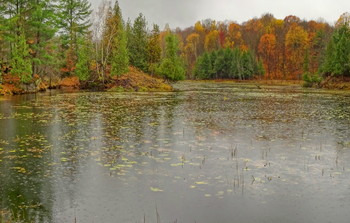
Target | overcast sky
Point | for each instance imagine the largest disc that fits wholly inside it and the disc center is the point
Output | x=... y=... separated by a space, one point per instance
x=184 y=13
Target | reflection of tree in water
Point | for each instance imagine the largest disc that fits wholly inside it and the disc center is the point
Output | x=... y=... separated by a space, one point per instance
x=25 y=190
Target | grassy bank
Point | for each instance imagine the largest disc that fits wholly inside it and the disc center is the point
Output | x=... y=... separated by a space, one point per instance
x=136 y=80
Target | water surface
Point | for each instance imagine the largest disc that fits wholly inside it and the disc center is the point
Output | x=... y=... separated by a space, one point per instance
x=212 y=152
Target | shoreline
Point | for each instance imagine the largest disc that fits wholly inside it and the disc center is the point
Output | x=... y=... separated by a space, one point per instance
x=122 y=84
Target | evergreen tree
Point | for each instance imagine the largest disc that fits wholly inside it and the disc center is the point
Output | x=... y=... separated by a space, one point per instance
x=41 y=29
x=203 y=67
x=172 y=66
x=120 y=57
x=84 y=57
x=74 y=19
x=138 y=44
x=73 y=23
x=228 y=63
x=20 y=62
x=247 y=61
x=337 y=60
x=259 y=69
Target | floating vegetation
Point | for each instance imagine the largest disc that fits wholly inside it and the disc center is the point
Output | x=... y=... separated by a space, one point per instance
x=212 y=143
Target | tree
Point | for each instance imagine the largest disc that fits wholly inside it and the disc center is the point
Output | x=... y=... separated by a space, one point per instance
x=203 y=67
x=84 y=58
x=234 y=36
x=120 y=57
x=344 y=19
x=228 y=63
x=212 y=41
x=172 y=66
x=138 y=44
x=267 y=51
x=73 y=23
x=110 y=31
x=41 y=29
x=337 y=61
x=154 y=50
x=191 y=49
x=20 y=62
x=297 y=43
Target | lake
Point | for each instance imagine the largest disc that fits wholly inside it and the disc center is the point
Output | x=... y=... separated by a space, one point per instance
x=210 y=152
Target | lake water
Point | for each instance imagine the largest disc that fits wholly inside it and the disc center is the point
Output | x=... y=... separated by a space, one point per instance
x=212 y=152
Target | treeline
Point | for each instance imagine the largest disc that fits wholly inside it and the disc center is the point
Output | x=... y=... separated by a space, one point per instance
x=228 y=64
x=55 y=39
x=288 y=48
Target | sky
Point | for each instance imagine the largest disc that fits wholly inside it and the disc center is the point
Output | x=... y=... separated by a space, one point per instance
x=184 y=13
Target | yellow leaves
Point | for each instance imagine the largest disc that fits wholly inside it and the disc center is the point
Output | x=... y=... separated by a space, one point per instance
x=201 y=183
x=20 y=169
x=212 y=41
x=193 y=38
x=234 y=36
x=198 y=27
x=344 y=19
x=155 y=189
x=297 y=38
x=297 y=41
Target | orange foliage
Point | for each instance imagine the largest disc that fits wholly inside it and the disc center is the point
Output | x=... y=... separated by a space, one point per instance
x=234 y=36
x=70 y=82
x=71 y=60
x=267 y=50
x=297 y=42
x=10 y=89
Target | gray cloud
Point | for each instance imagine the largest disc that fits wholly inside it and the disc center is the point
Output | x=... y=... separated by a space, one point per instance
x=183 y=13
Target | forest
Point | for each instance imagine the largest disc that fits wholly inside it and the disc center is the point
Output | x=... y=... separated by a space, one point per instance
x=45 y=41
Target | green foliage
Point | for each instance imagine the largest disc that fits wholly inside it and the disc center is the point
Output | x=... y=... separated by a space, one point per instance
x=259 y=68
x=111 y=28
x=42 y=23
x=311 y=80
x=84 y=53
x=138 y=44
x=337 y=59
x=73 y=23
x=172 y=67
x=203 y=67
x=120 y=57
x=20 y=62
x=74 y=19
x=228 y=63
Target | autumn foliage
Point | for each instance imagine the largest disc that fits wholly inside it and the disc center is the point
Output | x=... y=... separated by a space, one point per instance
x=287 y=47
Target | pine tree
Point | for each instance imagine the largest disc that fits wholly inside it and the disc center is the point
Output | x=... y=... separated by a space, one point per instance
x=73 y=23
x=337 y=59
x=20 y=62
x=203 y=67
x=41 y=29
x=138 y=44
x=84 y=57
x=120 y=58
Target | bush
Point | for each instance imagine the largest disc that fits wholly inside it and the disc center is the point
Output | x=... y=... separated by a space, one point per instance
x=311 y=80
